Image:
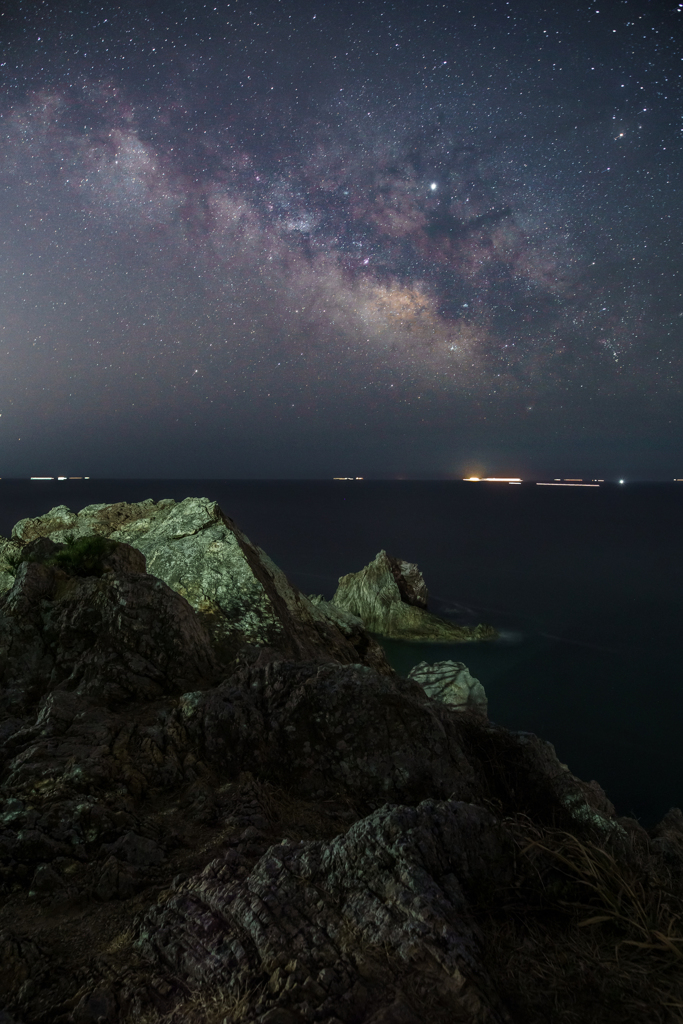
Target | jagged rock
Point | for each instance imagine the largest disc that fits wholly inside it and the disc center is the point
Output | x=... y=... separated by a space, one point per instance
x=120 y=637
x=330 y=910
x=189 y=838
x=389 y=596
x=451 y=682
x=328 y=731
x=98 y=1007
x=194 y=548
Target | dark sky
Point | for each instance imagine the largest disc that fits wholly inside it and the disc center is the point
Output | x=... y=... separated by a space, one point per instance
x=310 y=239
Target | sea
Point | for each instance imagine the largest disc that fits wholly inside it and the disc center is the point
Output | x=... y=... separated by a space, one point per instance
x=585 y=586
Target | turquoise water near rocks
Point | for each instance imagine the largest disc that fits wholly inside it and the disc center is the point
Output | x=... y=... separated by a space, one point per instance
x=586 y=588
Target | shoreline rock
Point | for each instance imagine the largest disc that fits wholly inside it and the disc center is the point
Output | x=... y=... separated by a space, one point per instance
x=451 y=682
x=390 y=597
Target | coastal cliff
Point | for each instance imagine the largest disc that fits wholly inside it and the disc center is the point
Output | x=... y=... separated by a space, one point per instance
x=219 y=803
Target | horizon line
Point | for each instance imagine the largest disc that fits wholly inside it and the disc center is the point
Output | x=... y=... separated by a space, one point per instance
x=540 y=480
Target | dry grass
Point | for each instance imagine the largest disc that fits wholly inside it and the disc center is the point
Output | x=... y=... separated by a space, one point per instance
x=617 y=895
x=587 y=933
x=217 y=1006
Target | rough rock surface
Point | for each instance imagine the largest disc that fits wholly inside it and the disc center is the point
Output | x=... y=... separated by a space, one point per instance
x=193 y=547
x=330 y=732
x=190 y=839
x=393 y=881
x=389 y=596
x=451 y=682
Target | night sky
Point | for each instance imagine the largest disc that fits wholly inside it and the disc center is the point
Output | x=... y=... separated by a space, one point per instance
x=311 y=239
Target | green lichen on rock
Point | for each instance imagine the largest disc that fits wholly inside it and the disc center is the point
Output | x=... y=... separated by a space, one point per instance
x=243 y=597
x=451 y=683
x=390 y=597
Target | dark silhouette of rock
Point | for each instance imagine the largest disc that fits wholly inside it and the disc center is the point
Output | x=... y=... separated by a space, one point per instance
x=196 y=829
x=389 y=596
x=330 y=732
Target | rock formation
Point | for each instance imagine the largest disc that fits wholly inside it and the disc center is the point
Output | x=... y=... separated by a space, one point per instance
x=240 y=594
x=205 y=818
x=389 y=596
x=451 y=682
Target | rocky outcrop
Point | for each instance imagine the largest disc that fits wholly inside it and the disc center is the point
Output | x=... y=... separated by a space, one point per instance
x=331 y=926
x=190 y=838
x=451 y=682
x=389 y=596
x=330 y=732
x=240 y=594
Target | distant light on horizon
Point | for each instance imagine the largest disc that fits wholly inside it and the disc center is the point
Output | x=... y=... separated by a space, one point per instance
x=493 y=479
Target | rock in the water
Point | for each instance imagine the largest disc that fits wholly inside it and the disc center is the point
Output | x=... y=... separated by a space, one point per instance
x=389 y=596
x=194 y=548
x=451 y=682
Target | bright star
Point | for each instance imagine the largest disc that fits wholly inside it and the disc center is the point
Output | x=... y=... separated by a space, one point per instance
x=433 y=186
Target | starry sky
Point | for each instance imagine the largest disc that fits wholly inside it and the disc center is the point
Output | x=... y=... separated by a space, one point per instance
x=300 y=239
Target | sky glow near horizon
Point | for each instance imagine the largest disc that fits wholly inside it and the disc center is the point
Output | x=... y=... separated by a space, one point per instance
x=295 y=239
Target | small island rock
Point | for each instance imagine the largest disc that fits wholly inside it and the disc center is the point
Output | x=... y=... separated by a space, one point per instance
x=390 y=597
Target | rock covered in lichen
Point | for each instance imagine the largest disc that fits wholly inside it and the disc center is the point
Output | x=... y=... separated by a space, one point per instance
x=199 y=552
x=389 y=596
x=452 y=683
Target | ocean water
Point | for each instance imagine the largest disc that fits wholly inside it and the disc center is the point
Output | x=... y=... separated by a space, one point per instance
x=585 y=587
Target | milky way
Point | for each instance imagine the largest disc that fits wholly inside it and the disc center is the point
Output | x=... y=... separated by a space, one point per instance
x=291 y=239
